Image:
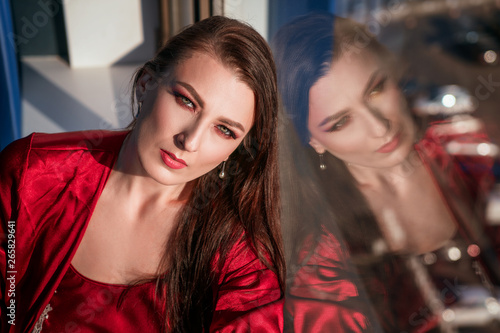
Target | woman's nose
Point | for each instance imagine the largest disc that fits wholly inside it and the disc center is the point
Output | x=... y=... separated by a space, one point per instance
x=190 y=138
x=378 y=122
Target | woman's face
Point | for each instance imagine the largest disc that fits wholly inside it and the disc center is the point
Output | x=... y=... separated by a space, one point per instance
x=193 y=122
x=358 y=114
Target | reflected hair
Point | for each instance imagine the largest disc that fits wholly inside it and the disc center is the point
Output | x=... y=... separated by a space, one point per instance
x=247 y=201
x=315 y=202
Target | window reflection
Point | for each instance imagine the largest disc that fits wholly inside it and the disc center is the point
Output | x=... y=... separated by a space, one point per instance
x=388 y=169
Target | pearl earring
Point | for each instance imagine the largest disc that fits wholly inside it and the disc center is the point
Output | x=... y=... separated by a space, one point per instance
x=222 y=174
x=322 y=164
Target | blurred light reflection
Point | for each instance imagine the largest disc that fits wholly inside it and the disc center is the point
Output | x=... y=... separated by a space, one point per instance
x=449 y=100
x=490 y=56
x=454 y=253
x=473 y=250
x=448 y=315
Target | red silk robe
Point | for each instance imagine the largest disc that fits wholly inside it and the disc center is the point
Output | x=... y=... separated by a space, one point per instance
x=49 y=186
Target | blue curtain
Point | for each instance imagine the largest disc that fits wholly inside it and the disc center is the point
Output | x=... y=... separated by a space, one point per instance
x=10 y=101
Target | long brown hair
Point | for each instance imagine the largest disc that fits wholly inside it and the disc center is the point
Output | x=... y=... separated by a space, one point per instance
x=246 y=202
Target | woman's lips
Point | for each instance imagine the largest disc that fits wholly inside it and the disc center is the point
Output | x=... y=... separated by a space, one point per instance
x=391 y=145
x=171 y=160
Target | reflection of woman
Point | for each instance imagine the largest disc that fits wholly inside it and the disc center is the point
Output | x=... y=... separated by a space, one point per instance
x=346 y=105
x=171 y=226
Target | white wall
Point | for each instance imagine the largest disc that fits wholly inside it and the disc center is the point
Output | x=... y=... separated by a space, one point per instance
x=255 y=12
x=100 y=32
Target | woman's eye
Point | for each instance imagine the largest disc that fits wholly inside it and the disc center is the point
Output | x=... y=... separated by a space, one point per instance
x=187 y=102
x=339 y=124
x=379 y=87
x=226 y=131
x=184 y=100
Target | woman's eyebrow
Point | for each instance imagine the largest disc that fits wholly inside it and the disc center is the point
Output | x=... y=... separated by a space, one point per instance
x=233 y=124
x=193 y=92
x=333 y=117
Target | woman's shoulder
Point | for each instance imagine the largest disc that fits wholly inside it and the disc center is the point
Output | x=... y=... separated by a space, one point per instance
x=49 y=155
x=455 y=147
x=453 y=137
x=89 y=140
x=13 y=154
x=323 y=248
x=248 y=293
x=241 y=253
x=242 y=258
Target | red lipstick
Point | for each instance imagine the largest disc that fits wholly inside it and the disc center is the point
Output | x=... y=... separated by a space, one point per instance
x=390 y=146
x=171 y=160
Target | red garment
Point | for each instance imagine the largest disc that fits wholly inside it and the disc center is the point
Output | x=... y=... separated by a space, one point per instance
x=49 y=186
x=327 y=294
x=83 y=305
x=322 y=296
x=473 y=171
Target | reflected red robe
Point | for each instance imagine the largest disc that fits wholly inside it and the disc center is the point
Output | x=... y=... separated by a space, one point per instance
x=49 y=186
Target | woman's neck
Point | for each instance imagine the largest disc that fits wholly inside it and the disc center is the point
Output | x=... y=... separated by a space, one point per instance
x=385 y=177
x=129 y=178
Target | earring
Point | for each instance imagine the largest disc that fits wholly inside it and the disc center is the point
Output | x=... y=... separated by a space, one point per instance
x=322 y=164
x=222 y=174
x=139 y=107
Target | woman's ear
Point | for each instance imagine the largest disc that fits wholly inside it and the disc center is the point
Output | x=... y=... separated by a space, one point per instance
x=317 y=146
x=143 y=86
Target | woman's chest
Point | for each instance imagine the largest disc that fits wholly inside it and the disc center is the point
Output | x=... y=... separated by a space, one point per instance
x=121 y=246
x=412 y=212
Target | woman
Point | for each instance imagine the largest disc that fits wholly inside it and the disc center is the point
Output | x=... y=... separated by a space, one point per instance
x=169 y=226
x=373 y=208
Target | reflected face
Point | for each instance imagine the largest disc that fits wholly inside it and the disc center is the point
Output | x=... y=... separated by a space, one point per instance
x=193 y=122
x=358 y=114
